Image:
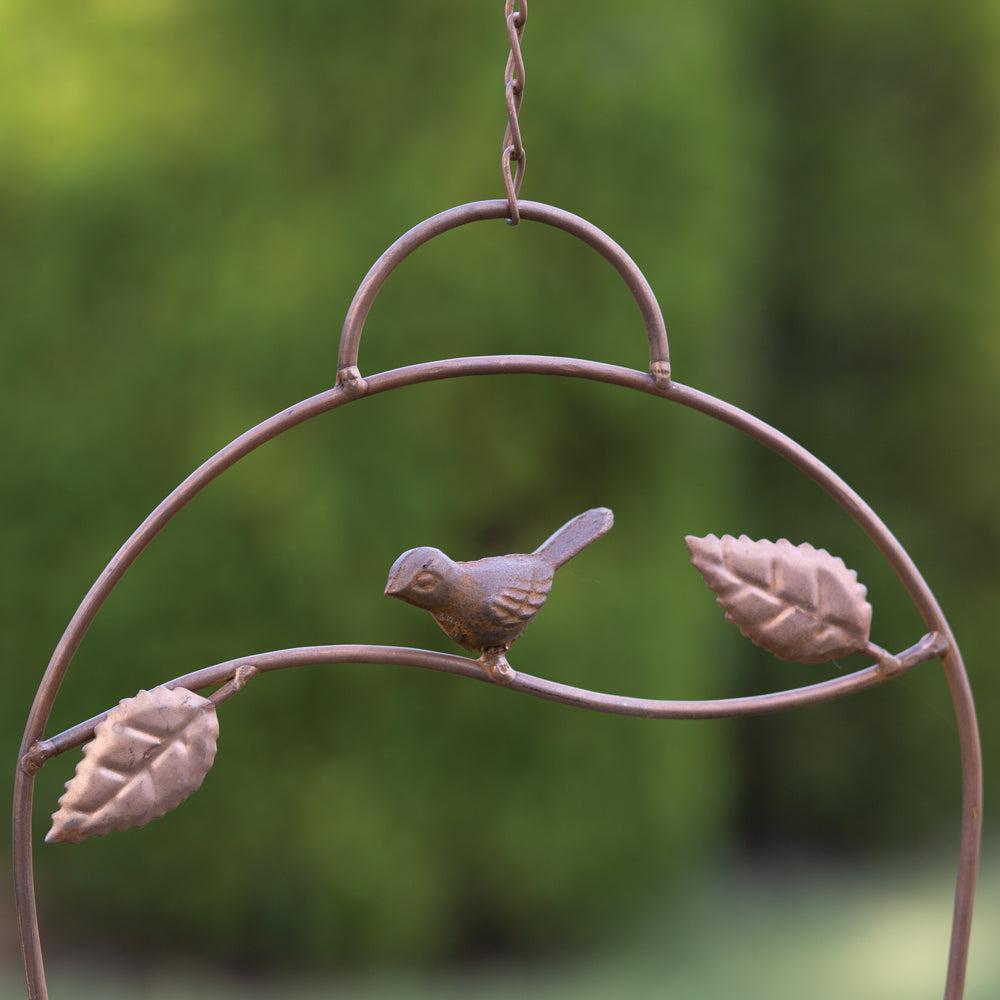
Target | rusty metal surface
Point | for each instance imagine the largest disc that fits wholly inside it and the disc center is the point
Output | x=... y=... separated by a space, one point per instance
x=939 y=642
x=796 y=601
x=148 y=755
x=513 y=78
x=348 y=374
x=485 y=605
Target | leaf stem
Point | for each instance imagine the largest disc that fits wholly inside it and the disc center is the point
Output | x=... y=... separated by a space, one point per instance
x=235 y=685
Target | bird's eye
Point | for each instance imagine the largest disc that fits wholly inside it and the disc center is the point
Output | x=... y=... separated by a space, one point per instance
x=426 y=580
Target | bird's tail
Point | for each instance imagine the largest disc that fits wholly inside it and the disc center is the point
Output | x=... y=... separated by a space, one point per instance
x=575 y=535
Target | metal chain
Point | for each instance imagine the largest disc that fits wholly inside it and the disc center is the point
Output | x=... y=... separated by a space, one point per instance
x=513 y=76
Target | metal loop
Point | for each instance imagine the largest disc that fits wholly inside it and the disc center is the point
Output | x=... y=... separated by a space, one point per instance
x=512 y=137
x=349 y=377
x=514 y=71
x=521 y=13
x=513 y=148
x=513 y=184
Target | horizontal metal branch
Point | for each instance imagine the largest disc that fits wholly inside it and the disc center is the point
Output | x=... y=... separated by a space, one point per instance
x=237 y=672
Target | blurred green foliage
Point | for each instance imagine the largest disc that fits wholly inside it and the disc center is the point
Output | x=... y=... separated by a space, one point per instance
x=189 y=196
x=871 y=931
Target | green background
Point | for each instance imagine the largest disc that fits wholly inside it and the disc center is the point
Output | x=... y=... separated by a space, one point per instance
x=189 y=196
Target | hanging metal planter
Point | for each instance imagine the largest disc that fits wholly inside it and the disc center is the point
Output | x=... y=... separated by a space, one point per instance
x=801 y=603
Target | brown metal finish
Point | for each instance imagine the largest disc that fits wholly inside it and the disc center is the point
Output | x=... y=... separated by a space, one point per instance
x=929 y=647
x=36 y=749
x=486 y=604
x=796 y=601
x=513 y=78
x=348 y=374
x=148 y=755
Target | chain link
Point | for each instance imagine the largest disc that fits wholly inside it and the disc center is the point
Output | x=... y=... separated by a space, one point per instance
x=513 y=149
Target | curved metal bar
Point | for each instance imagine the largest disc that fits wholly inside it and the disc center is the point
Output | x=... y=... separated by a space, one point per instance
x=647 y=708
x=350 y=377
x=794 y=453
x=23 y=871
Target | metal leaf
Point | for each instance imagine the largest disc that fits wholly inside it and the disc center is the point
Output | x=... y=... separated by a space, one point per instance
x=147 y=756
x=796 y=601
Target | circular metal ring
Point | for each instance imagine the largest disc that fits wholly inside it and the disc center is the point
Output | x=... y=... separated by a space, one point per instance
x=350 y=385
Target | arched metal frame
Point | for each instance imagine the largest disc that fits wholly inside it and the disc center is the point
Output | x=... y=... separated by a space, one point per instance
x=352 y=385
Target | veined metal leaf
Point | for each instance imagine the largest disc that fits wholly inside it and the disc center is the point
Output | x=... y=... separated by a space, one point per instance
x=147 y=756
x=796 y=601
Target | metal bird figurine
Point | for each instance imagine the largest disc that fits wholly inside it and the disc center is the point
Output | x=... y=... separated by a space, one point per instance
x=486 y=604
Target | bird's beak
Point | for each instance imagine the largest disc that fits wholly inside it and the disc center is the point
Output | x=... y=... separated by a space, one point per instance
x=393 y=587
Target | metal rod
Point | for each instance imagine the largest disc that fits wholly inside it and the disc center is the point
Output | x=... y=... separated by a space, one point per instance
x=350 y=339
x=351 y=385
x=241 y=669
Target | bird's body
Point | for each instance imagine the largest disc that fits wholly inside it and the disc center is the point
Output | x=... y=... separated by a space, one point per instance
x=499 y=597
x=486 y=604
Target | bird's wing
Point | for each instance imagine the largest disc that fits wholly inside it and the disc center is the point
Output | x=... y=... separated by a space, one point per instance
x=518 y=600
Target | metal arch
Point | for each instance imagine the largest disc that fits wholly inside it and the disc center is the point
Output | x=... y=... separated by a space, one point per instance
x=35 y=749
x=350 y=377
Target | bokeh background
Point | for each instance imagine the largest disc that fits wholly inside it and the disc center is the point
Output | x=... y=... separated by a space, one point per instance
x=190 y=194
